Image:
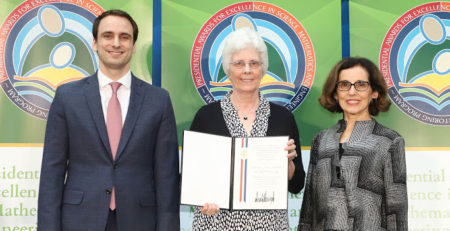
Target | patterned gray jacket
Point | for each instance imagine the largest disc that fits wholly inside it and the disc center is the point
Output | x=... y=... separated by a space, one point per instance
x=363 y=187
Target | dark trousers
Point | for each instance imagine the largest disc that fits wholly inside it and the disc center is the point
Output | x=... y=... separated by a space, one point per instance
x=111 y=224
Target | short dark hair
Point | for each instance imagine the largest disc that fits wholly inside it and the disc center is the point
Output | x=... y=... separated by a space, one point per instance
x=376 y=80
x=119 y=13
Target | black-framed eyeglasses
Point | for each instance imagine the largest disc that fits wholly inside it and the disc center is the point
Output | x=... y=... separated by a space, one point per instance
x=345 y=85
x=240 y=64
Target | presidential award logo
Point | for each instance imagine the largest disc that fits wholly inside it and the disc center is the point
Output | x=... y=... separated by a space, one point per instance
x=415 y=61
x=291 y=54
x=43 y=45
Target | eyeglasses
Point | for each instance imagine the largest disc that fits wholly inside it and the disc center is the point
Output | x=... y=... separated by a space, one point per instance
x=253 y=64
x=359 y=85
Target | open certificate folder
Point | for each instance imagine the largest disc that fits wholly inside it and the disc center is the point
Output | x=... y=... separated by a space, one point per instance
x=234 y=173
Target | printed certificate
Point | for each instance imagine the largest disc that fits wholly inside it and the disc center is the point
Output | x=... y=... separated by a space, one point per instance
x=234 y=173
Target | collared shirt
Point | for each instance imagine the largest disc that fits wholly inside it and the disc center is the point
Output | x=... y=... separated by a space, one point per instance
x=123 y=94
x=235 y=127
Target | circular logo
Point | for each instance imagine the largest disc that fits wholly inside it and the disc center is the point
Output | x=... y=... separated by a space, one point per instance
x=415 y=62
x=291 y=54
x=43 y=45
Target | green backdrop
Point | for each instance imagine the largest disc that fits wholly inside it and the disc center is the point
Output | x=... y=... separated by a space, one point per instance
x=182 y=20
x=19 y=127
x=369 y=23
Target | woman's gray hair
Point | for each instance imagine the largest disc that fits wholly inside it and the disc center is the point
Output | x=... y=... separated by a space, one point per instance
x=240 y=39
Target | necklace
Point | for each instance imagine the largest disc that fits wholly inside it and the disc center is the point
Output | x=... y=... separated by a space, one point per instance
x=245 y=116
x=252 y=109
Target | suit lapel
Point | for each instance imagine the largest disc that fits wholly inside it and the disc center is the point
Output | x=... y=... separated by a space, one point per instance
x=92 y=94
x=136 y=97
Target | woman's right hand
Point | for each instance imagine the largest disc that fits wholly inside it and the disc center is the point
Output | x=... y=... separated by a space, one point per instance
x=210 y=209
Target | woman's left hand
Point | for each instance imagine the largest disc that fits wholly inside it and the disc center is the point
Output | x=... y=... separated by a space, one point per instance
x=292 y=154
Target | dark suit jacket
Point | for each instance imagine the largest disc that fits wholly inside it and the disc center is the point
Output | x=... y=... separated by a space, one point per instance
x=78 y=172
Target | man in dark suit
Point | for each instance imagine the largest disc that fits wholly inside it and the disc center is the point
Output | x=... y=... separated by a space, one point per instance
x=110 y=157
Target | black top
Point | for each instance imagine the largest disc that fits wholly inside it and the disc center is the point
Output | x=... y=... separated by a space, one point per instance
x=209 y=119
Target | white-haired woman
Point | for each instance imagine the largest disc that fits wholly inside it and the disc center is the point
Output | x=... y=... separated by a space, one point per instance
x=244 y=112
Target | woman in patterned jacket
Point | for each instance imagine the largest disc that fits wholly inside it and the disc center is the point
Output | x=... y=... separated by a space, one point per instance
x=357 y=172
x=244 y=112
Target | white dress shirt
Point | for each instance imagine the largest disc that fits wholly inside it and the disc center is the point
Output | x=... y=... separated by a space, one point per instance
x=123 y=94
